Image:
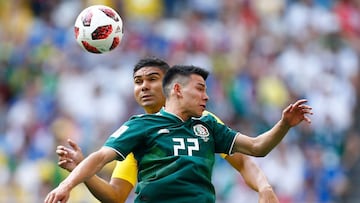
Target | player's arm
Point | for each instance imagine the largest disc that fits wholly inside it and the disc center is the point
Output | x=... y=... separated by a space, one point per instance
x=85 y=170
x=123 y=180
x=119 y=187
x=264 y=143
x=251 y=173
x=114 y=192
x=253 y=176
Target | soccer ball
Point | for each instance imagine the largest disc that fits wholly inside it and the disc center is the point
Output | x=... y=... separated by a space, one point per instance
x=98 y=29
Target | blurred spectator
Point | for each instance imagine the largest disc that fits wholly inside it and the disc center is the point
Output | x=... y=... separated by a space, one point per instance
x=351 y=163
x=285 y=168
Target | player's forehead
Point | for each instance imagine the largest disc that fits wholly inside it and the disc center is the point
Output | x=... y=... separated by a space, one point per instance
x=197 y=80
x=147 y=71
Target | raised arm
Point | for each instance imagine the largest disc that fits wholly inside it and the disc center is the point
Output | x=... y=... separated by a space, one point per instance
x=261 y=145
x=86 y=169
x=253 y=176
x=115 y=191
x=251 y=173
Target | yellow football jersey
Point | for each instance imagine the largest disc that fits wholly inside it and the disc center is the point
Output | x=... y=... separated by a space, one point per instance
x=127 y=169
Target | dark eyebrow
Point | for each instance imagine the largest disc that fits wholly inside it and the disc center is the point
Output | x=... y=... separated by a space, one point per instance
x=202 y=84
x=147 y=75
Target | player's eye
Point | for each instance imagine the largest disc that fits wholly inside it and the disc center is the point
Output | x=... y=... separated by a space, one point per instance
x=201 y=88
x=137 y=81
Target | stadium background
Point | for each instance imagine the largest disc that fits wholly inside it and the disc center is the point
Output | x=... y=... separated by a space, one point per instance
x=262 y=54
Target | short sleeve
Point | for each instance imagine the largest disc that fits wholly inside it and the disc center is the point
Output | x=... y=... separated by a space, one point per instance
x=126 y=138
x=219 y=121
x=223 y=135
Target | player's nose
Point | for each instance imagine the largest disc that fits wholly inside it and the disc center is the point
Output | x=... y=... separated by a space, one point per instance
x=206 y=97
x=145 y=86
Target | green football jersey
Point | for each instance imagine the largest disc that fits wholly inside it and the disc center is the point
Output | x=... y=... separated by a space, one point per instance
x=175 y=158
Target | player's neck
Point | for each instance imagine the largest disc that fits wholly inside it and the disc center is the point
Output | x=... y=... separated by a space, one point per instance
x=176 y=110
x=152 y=110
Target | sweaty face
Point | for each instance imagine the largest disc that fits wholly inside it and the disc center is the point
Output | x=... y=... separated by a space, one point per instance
x=195 y=96
x=148 y=88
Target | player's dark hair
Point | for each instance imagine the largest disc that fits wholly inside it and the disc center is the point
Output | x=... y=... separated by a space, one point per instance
x=151 y=62
x=178 y=73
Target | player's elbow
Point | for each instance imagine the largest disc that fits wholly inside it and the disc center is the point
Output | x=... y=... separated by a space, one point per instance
x=253 y=146
x=122 y=189
x=260 y=149
x=114 y=198
x=256 y=152
x=261 y=154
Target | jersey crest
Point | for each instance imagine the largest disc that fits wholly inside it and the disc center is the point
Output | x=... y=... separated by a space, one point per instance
x=201 y=131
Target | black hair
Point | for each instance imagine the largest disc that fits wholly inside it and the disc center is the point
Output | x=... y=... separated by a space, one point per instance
x=181 y=70
x=153 y=62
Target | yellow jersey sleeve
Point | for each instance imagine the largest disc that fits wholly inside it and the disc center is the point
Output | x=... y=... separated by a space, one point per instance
x=219 y=121
x=126 y=169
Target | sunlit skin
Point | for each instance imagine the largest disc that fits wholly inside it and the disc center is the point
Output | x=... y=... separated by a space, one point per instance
x=148 y=89
x=194 y=98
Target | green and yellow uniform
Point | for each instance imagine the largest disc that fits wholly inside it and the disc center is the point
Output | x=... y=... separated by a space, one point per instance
x=175 y=158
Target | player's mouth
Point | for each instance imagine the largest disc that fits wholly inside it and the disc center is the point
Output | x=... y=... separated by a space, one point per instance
x=146 y=97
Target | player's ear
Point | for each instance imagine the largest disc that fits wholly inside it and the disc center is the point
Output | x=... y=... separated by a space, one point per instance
x=177 y=89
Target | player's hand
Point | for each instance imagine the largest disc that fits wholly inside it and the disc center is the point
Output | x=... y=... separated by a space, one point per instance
x=268 y=196
x=58 y=195
x=296 y=113
x=69 y=158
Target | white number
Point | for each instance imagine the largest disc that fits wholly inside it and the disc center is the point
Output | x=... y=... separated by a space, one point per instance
x=194 y=147
x=181 y=145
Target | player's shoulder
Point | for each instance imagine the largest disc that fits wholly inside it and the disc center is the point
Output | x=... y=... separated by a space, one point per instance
x=208 y=113
x=134 y=117
x=142 y=117
x=211 y=116
x=139 y=121
x=147 y=119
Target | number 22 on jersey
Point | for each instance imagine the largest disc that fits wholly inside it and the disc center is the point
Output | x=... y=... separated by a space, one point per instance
x=187 y=145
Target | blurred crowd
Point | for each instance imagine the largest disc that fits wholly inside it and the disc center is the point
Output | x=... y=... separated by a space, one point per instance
x=262 y=55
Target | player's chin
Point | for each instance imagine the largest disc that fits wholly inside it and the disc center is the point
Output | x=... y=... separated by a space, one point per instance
x=198 y=114
x=202 y=109
x=147 y=103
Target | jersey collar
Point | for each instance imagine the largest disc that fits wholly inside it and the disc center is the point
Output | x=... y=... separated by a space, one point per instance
x=168 y=114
